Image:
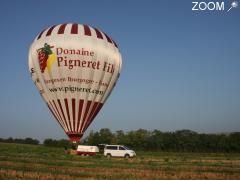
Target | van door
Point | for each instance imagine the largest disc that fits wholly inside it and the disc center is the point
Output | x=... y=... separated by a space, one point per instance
x=114 y=151
x=121 y=151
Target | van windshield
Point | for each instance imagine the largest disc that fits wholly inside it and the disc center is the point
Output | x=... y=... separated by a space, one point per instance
x=126 y=148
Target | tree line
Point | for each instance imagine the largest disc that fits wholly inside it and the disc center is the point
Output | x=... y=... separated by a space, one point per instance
x=20 y=141
x=156 y=140
x=178 y=141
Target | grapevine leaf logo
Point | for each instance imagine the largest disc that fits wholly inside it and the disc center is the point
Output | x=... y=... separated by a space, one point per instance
x=46 y=57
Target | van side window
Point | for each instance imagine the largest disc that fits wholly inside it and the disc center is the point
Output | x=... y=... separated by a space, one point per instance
x=112 y=147
x=121 y=148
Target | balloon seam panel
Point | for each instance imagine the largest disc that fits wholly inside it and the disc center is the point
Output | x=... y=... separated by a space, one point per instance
x=87 y=30
x=49 y=32
x=74 y=29
x=68 y=115
x=62 y=29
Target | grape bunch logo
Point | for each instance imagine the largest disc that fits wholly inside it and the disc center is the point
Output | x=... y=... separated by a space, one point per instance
x=46 y=57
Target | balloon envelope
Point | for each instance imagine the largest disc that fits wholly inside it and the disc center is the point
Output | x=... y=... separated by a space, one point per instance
x=75 y=68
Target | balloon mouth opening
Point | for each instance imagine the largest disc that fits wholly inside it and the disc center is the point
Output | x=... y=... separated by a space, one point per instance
x=74 y=136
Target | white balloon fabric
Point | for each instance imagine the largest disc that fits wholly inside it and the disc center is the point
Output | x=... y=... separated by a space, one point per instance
x=75 y=68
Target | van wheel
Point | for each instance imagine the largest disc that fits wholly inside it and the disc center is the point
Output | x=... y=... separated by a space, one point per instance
x=109 y=155
x=127 y=156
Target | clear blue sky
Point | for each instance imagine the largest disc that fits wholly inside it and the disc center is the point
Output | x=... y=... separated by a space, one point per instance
x=181 y=69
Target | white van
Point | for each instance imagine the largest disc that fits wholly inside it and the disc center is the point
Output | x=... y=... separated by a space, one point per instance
x=118 y=151
x=87 y=150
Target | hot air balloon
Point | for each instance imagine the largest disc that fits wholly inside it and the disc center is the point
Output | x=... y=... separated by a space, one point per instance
x=75 y=68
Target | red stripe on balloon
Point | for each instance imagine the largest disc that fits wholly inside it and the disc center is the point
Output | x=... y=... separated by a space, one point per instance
x=115 y=44
x=108 y=38
x=97 y=109
x=87 y=30
x=93 y=109
x=68 y=114
x=85 y=114
x=60 y=105
x=59 y=113
x=54 y=113
x=100 y=105
x=74 y=29
x=73 y=112
x=39 y=36
x=80 y=107
x=62 y=29
x=98 y=33
x=49 y=32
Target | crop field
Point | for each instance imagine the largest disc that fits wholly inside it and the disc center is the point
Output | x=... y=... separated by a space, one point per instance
x=18 y=161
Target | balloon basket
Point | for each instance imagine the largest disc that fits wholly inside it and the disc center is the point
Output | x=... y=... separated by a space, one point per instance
x=73 y=152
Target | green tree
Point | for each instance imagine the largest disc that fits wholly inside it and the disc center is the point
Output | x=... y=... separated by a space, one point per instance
x=106 y=136
x=93 y=138
x=119 y=137
x=137 y=139
x=186 y=140
x=234 y=142
x=155 y=141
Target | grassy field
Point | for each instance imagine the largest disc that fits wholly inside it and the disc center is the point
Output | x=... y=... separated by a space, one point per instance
x=19 y=161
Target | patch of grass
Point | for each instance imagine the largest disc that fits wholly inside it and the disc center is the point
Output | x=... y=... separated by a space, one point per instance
x=40 y=162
